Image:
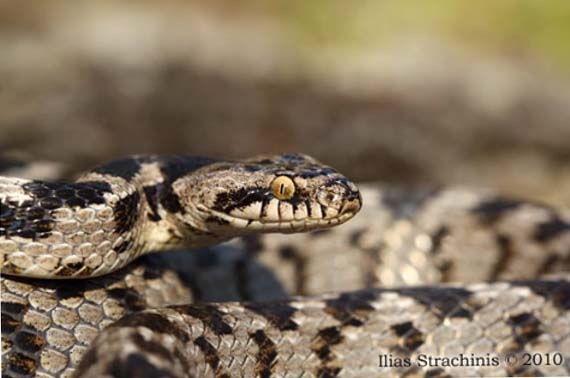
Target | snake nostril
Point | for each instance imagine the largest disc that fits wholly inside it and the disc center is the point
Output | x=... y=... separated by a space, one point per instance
x=341 y=195
x=330 y=197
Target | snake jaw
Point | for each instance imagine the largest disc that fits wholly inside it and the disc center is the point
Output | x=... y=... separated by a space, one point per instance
x=245 y=226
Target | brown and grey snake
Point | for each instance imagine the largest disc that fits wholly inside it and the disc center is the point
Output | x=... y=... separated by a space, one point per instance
x=225 y=311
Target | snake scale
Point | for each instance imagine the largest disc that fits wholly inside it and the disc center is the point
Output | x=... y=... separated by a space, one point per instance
x=225 y=310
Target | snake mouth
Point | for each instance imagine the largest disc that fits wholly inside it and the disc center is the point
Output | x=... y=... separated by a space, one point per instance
x=284 y=222
x=283 y=226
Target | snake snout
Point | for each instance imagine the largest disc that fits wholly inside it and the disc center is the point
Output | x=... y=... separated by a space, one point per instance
x=339 y=198
x=351 y=207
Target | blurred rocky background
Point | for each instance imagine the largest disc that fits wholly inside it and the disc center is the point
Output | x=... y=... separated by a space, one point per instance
x=420 y=93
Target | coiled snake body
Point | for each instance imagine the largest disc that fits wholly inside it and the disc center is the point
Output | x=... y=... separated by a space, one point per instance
x=120 y=211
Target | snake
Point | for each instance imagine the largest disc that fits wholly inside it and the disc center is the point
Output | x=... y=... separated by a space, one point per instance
x=434 y=283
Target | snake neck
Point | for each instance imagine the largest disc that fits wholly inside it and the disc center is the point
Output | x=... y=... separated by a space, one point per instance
x=165 y=226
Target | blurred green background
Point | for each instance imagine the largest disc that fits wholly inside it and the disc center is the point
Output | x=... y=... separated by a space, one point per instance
x=419 y=93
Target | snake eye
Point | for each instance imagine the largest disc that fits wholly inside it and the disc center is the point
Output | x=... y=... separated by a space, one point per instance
x=283 y=188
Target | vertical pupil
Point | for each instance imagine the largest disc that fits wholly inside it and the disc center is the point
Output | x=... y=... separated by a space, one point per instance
x=281 y=188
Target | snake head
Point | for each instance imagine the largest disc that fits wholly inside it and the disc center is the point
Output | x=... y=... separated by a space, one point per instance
x=279 y=193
